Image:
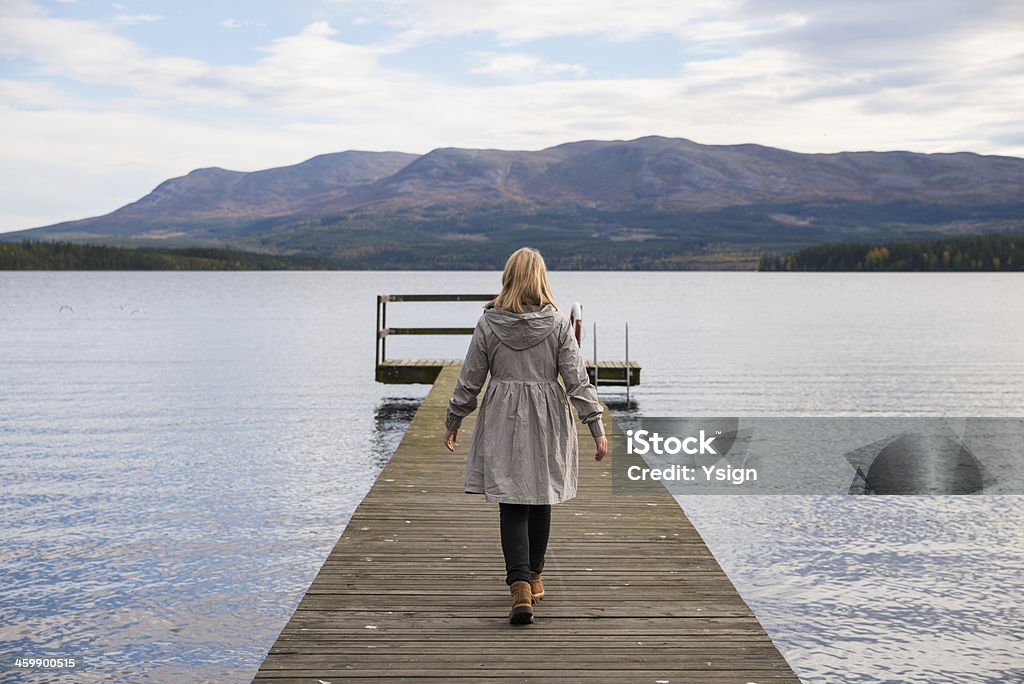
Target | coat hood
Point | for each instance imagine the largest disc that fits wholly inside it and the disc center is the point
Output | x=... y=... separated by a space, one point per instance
x=521 y=330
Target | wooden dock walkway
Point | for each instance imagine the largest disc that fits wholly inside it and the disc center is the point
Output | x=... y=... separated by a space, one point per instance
x=414 y=588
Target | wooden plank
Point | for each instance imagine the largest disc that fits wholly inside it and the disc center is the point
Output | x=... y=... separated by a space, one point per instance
x=414 y=590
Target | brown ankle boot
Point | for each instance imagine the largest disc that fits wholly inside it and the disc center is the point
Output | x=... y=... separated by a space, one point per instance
x=522 y=600
x=536 y=587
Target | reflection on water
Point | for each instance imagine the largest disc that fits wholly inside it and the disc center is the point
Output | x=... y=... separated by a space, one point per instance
x=391 y=417
x=615 y=400
x=180 y=452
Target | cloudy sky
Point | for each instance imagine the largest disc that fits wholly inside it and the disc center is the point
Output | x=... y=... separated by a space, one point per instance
x=101 y=101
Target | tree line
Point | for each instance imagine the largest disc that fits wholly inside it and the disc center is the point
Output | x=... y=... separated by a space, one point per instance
x=564 y=254
x=991 y=252
x=58 y=255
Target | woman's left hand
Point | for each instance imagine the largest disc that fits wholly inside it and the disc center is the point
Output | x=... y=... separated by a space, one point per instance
x=451 y=438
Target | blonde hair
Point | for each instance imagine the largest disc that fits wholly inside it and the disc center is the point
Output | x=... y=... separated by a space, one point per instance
x=524 y=281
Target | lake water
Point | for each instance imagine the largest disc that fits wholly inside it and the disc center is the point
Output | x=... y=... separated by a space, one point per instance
x=180 y=451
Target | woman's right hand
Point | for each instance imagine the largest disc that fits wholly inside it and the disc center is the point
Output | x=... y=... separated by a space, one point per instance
x=451 y=438
x=602 y=447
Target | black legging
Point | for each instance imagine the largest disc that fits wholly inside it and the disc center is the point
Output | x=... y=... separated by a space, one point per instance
x=524 y=539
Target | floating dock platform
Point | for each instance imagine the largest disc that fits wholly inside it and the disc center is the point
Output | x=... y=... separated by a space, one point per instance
x=414 y=588
x=425 y=371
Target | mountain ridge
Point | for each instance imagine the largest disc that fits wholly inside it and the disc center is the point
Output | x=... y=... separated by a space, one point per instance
x=666 y=190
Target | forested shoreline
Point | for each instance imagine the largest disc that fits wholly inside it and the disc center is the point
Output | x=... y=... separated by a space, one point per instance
x=39 y=255
x=990 y=252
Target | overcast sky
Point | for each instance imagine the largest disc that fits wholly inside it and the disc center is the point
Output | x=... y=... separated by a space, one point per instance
x=101 y=101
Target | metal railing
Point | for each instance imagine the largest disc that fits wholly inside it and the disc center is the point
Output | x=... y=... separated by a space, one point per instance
x=383 y=331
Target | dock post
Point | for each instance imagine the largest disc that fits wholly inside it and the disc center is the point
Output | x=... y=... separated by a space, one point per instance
x=384 y=322
x=627 y=364
x=376 y=338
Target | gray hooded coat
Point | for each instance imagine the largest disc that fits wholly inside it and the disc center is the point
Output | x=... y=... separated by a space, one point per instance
x=524 y=449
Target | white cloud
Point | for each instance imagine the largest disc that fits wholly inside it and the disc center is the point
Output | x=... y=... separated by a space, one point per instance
x=232 y=23
x=521 y=65
x=132 y=19
x=30 y=96
x=87 y=51
x=518 y=21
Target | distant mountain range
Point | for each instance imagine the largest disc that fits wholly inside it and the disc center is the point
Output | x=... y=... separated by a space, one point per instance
x=653 y=202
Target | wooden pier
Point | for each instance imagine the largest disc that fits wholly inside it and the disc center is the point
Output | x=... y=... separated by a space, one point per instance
x=414 y=588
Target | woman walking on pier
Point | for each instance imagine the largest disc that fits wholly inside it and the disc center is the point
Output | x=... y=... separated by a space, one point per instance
x=524 y=454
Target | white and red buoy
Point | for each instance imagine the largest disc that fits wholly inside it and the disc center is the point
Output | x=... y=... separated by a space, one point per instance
x=576 y=319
